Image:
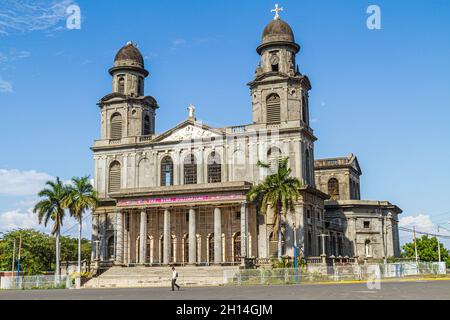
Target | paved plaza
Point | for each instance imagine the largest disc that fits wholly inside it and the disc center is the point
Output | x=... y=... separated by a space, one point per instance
x=414 y=290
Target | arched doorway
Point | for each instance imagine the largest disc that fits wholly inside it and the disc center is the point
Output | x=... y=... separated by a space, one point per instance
x=211 y=248
x=186 y=249
x=111 y=252
x=367 y=248
x=237 y=247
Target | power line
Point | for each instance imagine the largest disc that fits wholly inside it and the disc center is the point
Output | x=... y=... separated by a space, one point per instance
x=74 y=225
x=423 y=233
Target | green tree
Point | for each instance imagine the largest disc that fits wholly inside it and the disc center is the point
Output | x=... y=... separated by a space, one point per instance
x=38 y=251
x=51 y=207
x=427 y=250
x=279 y=191
x=81 y=196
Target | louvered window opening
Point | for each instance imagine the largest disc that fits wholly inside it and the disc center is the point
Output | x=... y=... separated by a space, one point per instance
x=146 y=126
x=190 y=170
x=116 y=127
x=114 y=178
x=214 y=169
x=121 y=85
x=273 y=109
x=333 y=189
x=275 y=156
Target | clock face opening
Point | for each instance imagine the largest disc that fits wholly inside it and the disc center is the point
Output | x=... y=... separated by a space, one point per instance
x=274 y=60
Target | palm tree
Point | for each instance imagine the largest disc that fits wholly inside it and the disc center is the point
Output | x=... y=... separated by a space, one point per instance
x=278 y=191
x=81 y=196
x=51 y=208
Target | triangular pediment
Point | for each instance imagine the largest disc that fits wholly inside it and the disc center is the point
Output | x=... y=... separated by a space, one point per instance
x=189 y=130
x=355 y=164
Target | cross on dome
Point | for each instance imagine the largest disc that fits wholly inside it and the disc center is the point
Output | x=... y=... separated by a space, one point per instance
x=277 y=10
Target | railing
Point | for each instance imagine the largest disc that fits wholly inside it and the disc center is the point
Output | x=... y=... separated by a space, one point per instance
x=332 y=273
x=35 y=282
x=145 y=138
x=238 y=129
x=313 y=260
x=331 y=162
x=115 y=141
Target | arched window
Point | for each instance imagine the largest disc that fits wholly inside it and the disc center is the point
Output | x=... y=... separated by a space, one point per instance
x=190 y=170
x=167 y=172
x=114 y=177
x=140 y=87
x=116 y=126
x=273 y=104
x=333 y=188
x=308 y=166
x=214 y=168
x=304 y=113
x=121 y=87
x=274 y=157
x=146 y=126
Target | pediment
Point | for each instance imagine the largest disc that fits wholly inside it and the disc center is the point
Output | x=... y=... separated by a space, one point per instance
x=187 y=131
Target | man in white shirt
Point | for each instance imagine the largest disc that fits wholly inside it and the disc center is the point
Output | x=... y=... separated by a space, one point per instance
x=174 y=279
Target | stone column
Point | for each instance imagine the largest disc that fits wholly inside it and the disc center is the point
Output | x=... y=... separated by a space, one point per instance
x=217 y=236
x=192 y=237
x=167 y=237
x=143 y=238
x=119 y=235
x=244 y=230
x=95 y=238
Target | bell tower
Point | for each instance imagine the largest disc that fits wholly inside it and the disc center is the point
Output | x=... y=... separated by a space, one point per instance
x=127 y=111
x=279 y=91
x=280 y=95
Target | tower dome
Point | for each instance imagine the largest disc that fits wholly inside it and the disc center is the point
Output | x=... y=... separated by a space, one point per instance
x=278 y=32
x=129 y=58
x=129 y=55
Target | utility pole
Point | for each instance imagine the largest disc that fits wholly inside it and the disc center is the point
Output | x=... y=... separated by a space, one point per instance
x=415 y=244
x=18 y=261
x=439 y=245
x=14 y=258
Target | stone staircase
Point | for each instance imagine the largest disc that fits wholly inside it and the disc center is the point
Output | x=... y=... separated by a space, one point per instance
x=147 y=277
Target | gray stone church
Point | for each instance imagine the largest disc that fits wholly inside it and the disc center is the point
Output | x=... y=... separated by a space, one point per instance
x=179 y=197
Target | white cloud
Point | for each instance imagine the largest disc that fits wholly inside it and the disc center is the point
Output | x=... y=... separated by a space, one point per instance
x=22 y=183
x=27 y=219
x=421 y=222
x=18 y=219
x=5 y=86
x=20 y=16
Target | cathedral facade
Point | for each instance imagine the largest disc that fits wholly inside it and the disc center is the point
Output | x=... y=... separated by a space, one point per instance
x=179 y=197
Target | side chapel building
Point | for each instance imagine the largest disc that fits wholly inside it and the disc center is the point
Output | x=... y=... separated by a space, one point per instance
x=179 y=197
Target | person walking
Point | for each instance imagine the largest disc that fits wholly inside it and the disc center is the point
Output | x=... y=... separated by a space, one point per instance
x=174 y=279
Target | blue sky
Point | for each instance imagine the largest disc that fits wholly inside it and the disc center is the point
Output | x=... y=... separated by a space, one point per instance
x=380 y=94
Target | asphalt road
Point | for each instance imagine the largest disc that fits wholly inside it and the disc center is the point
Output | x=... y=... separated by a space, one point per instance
x=418 y=290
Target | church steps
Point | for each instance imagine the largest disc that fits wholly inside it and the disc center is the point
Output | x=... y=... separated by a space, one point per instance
x=141 y=277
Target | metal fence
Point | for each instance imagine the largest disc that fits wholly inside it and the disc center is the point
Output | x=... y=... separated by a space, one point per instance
x=35 y=282
x=332 y=273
